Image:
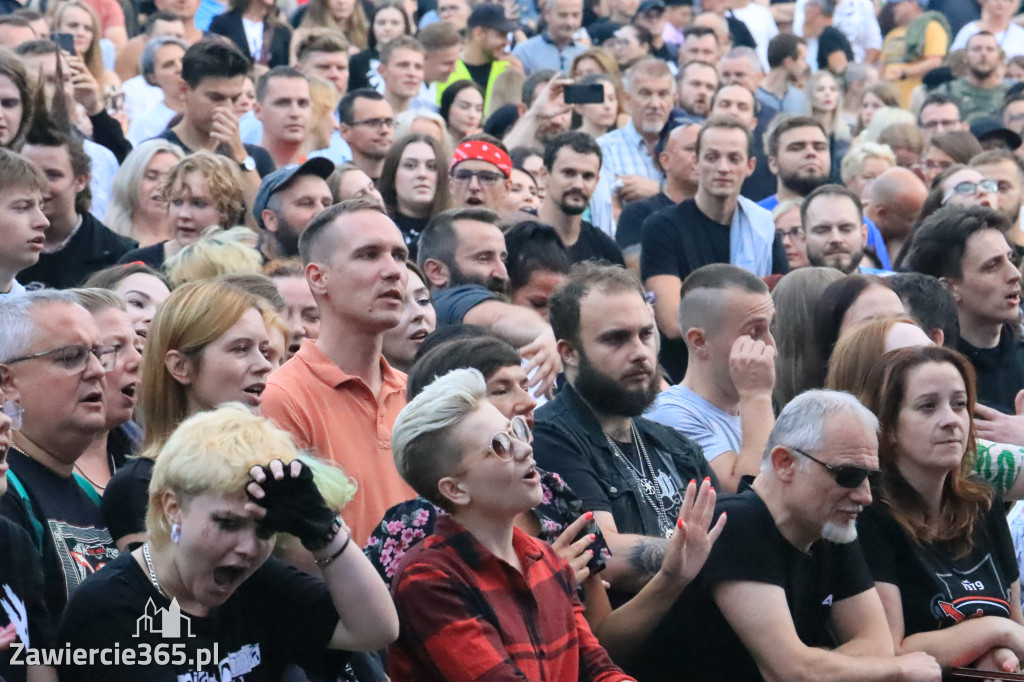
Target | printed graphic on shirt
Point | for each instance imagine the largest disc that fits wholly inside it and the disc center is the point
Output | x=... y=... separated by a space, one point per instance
x=82 y=551
x=232 y=668
x=16 y=612
x=970 y=594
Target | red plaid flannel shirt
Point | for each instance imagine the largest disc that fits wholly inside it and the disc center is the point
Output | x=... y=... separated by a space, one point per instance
x=467 y=615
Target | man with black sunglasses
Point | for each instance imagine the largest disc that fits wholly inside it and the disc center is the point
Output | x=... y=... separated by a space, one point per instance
x=785 y=592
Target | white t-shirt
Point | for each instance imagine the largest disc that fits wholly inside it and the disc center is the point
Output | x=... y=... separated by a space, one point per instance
x=1011 y=40
x=762 y=27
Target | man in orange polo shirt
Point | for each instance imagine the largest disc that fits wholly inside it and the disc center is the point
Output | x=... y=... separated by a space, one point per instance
x=338 y=397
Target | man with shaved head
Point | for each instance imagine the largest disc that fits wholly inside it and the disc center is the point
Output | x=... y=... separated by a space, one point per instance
x=724 y=316
x=895 y=199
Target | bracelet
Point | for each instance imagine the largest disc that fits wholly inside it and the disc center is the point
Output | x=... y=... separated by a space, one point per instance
x=326 y=561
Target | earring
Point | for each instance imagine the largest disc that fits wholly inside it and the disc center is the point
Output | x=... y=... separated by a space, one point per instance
x=175 y=533
x=14 y=411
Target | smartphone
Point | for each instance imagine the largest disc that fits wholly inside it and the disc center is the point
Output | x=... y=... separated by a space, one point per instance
x=66 y=42
x=584 y=94
x=599 y=547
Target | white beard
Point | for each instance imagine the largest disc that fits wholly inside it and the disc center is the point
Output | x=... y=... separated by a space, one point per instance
x=840 y=533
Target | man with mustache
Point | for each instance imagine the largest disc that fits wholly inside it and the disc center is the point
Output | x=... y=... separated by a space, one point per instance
x=724 y=402
x=798 y=154
x=833 y=220
x=462 y=253
x=573 y=162
x=630 y=471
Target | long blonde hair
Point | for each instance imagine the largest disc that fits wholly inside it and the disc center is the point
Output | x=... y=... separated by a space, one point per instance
x=93 y=57
x=357 y=30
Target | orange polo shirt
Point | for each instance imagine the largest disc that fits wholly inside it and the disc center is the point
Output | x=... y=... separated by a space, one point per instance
x=334 y=415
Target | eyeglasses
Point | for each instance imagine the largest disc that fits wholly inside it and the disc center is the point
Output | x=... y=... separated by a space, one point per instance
x=502 y=442
x=794 y=233
x=967 y=188
x=845 y=476
x=486 y=178
x=375 y=123
x=75 y=358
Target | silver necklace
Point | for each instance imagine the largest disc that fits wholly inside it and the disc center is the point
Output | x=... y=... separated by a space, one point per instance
x=648 y=486
x=152 y=571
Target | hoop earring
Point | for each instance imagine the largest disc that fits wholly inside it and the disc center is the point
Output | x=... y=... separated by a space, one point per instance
x=175 y=533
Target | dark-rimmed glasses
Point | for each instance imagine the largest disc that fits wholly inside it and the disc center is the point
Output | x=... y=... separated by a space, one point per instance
x=845 y=476
x=75 y=358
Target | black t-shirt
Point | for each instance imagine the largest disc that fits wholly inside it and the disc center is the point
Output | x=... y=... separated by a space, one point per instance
x=126 y=498
x=411 y=229
x=631 y=221
x=593 y=244
x=832 y=40
x=480 y=73
x=93 y=247
x=679 y=239
x=359 y=69
x=264 y=162
x=21 y=596
x=76 y=542
x=152 y=255
x=276 y=617
x=695 y=642
x=937 y=589
x=1000 y=370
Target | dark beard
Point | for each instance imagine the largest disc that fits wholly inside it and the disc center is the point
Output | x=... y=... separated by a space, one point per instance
x=569 y=209
x=457 y=277
x=802 y=186
x=287 y=239
x=607 y=397
x=982 y=75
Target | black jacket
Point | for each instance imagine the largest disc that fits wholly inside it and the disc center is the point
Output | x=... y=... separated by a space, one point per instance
x=92 y=248
x=229 y=25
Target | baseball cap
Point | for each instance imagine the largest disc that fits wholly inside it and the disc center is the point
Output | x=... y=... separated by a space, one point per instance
x=649 y=6
x=489 y=15
x=991 y=129
x=319 y=166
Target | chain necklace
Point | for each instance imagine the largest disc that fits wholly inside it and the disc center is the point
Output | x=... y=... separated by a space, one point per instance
x=648 y=486
x=152 y=571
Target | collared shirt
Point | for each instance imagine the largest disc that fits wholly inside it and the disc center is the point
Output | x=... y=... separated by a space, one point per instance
x=540 y=52
x=624 y=152
x=468 y=615
x=337 y=417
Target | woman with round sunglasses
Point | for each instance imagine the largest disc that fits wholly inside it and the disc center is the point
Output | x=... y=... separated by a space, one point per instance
x=935 y=538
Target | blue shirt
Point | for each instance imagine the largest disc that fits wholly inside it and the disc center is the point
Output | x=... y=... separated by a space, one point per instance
x=624 y=152
x=540 y=52
x=714 y=430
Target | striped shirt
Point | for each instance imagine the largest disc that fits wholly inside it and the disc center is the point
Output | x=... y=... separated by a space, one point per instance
x=467 y=615
x=697 y=419
x=624 y=152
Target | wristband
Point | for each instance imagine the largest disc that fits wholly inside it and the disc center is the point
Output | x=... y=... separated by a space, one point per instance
x=327 y=561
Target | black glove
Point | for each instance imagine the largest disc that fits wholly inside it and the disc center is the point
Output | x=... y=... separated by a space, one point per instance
x=295 y=506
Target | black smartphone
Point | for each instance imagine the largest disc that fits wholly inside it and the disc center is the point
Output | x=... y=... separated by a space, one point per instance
x=66 y=42
x=599 y=547
x=584 y=94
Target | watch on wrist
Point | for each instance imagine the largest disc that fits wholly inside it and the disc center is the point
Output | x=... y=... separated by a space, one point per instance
x=248 y=164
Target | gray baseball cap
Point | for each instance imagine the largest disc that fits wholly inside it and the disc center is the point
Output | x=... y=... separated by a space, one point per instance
x=320 y=167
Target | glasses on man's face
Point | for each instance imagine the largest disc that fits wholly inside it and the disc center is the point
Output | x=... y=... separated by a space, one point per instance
x=75 y=358
x=794 y=233
x=502 y=444
x=376 y=123
x=967 y=188
x=845 y=476
x=486 y=178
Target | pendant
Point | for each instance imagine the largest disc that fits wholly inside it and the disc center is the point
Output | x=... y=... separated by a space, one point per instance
x=669 y=532
x=648 y=487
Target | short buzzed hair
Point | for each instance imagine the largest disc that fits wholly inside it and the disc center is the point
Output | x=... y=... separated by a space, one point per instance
x=832 y=190
x=700 y=307
x=263 y=82
x=400 y=43
x=438 y=240
x=564 y=305
x=320 y=40
x=439 y=36
x=318 y=242
x=648 y=67
x=784 y=123
x=421 y=440
x=802 y=422
x=727 y=123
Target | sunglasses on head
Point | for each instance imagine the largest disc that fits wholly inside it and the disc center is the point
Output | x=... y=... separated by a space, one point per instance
x=845 y=476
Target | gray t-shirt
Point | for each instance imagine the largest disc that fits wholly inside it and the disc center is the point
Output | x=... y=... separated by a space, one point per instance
x=697 y=419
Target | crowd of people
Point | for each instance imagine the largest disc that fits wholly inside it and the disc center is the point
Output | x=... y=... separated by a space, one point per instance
x=452 y=340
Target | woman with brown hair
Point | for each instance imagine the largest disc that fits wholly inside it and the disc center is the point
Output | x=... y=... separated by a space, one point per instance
x=936 y=539
x=345 y=16
x=945 y=150
x=414 y=185
x=256 y=28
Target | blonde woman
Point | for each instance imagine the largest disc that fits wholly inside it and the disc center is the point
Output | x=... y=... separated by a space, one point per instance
x=138 y=207
x=79 y=19
x=218 y=252
x=345 y=16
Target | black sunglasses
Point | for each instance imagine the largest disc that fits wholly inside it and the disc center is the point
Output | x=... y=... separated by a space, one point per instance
x=846 y=476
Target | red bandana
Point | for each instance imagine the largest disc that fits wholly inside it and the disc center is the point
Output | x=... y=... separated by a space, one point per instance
x=482 y=151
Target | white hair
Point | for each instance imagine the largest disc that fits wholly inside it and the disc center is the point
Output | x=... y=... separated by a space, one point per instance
x=16 y=319
x=124 y=195
x=801 y=424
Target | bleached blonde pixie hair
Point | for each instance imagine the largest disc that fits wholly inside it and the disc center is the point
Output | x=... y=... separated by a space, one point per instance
x=211 y=453
x=420 y=440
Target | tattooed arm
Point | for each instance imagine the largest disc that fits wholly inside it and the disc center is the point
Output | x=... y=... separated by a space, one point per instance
x=635 y=558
